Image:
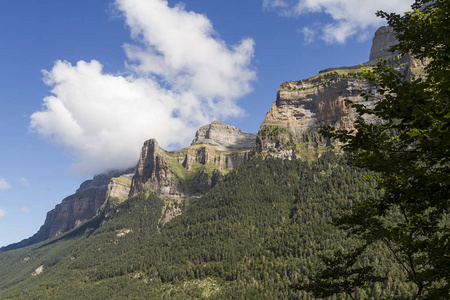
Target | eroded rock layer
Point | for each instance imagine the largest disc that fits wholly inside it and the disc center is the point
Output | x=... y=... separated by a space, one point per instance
x=303 y=107
x=153 y=172
x=216 y=149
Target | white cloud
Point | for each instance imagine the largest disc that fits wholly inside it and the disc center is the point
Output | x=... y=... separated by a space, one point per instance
x=309 y=33
x=350 y=17
x=24 y=181
x=25 y=209
x=182 y=76
x=4 y=185
x=2 y=213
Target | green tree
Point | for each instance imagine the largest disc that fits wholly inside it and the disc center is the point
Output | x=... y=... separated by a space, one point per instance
x=340 y=275
x=409 y=148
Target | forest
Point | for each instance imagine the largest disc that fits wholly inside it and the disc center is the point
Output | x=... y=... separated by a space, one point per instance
x=254 y=236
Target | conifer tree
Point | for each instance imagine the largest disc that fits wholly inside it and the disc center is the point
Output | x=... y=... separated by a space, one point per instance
x=410 y=151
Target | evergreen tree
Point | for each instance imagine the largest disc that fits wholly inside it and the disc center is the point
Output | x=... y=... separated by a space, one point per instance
x=410 y=150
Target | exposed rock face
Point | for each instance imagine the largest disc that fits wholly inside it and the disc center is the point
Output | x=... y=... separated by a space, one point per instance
x=384 y=39
x=216 y=149
x=117 y=191
x=71 y=212
x=224 y=136
x=303 y=107
x=78 y=208
x=153 y=172
x=119 y=187
x=205 y=154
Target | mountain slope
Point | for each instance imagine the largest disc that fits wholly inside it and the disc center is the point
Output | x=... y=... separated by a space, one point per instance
x=290 y=130
x=252 y=236
x=213 y=220
x=216 y=149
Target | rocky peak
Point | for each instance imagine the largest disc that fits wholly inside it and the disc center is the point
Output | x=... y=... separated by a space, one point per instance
x=154 y=173
x=384 y=39
x=224 y=136
x=216 y=149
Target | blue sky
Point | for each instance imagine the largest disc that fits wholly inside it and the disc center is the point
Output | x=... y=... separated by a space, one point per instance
x=85 y=83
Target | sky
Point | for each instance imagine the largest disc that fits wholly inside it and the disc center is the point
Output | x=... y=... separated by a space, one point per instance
x=84 y=83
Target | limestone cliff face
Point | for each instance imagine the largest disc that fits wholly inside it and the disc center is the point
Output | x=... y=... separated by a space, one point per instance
x=224 y=136
x=303 y=107
x=81 y=206
x=117 y=191
x=291 y=127
x=384 y=39
x=206 y=154
x=119 y=187
x=76 y=209
x=216 y=149
x=72 y=211
x=222 y=145
x=153 y=172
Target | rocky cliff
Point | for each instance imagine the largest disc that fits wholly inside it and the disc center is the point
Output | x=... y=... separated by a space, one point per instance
x=384 y=39
x=216 y=149
x=302 y=107
x=83 y=205
x=190 y=172
x=291 y=127
x=80 y=207
x=117 y=191
x=154 y=173
x=225 y=137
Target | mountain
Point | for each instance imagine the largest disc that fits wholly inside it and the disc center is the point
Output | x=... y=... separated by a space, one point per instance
x=253 y=235
x=235 y=215
x=290 y=128
x=216 y=149
x=78 y=208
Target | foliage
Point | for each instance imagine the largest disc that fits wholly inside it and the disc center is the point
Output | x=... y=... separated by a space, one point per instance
x=340 y=275
x=277 y=135
x=325 y=76
x=253 y=236
x=410 y=150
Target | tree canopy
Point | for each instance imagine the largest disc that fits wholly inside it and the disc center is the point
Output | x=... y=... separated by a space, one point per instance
x=409 y=148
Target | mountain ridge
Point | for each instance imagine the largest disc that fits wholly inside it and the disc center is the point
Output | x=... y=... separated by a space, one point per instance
x=232 y=216
x=289 y=130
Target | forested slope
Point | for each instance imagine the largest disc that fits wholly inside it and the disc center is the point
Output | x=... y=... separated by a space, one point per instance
x=251 y=237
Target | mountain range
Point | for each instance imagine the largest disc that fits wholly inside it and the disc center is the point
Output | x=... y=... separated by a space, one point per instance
x=233 y=215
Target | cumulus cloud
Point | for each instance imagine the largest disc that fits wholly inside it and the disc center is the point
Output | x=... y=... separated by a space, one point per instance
x=350 y=17
x=181 y=76
x=2 y=213
x=4 y=185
